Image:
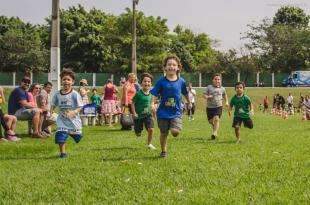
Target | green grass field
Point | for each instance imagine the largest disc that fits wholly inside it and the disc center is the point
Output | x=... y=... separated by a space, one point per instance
x=109 y=166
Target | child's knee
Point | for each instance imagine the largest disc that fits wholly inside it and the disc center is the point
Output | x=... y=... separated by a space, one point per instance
x=175 y=132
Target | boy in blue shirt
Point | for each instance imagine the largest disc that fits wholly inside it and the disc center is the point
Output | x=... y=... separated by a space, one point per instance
x=68 y=121
x=170 y=89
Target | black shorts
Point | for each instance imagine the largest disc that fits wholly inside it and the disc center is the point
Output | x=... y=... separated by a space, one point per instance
x=146 y=121
x=247 y=122
x=211 y=112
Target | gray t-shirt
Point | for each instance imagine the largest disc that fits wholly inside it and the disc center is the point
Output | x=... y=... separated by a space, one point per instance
x=218 y=94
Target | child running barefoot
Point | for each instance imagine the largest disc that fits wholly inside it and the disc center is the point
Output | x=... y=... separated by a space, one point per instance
x=68 y=121
x=243 y=108
x=170 y=89
x=142 y=109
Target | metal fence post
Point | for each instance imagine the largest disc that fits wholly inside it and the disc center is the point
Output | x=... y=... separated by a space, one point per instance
x=238 y=77
x=31 y=77
x=257 y=79
x=112 y=77
x=14 y=78
x=94 y=79
x=272 y=79
x=200 y=79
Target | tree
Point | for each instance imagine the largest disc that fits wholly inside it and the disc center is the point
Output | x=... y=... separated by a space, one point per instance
x=291 y=16
x=21 y=46
x=280 y=46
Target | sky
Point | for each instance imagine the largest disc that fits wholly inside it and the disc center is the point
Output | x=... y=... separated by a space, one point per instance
x=224 y=20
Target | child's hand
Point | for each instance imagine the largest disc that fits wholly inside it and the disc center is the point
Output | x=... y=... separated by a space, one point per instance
x=252 y=112
x=135 y=115
x=71 y=114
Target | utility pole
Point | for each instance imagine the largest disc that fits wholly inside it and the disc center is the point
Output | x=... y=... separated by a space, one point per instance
x=134 y=38
x=55 y=47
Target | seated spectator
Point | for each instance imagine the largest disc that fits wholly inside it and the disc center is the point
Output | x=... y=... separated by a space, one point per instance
x=2 y=97
x=8 y=122
x=44 y=103
x=20 y=106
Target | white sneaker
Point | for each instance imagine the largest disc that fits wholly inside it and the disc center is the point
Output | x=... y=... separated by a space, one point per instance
x=152 y=147
x=2 y=139
x=13 y=138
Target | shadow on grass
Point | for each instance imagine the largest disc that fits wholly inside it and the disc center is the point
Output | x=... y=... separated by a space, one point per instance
x=226 y=142
x=114 y=148
x=9 y=158
x=128 y=159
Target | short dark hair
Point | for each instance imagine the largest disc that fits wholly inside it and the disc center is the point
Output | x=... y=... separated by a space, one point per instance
x=240 y=83
x=94 y=89
x=216 y=74
x=146 y=75
x=46 y=84
x=67 y=72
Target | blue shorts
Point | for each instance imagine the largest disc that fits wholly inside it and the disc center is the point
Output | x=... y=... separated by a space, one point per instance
x=62 y=136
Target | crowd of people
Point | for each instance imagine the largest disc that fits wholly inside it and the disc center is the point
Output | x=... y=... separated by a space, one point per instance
x=138 y=107
x=284 y=108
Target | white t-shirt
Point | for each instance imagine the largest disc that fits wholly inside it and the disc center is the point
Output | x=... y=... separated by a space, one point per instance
x=191 y=95
x=290 y=99
x=67 y=102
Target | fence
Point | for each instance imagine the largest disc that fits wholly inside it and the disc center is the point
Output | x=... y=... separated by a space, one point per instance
x=197 y=79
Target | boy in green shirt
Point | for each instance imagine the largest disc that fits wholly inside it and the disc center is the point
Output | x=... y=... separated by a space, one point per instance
x=95 y=98
x=142 y=109
x=243 y=110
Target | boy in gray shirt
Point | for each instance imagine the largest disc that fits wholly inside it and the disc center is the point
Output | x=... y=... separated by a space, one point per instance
x=215 y=94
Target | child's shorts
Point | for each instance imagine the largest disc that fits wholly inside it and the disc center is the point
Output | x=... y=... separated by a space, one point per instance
x=247 y=122
x=166 y=124
x=212 y=112
x=146 y=121
x=62 y=136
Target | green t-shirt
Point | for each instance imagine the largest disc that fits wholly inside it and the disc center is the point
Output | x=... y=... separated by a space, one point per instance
x=242 y=106
x=142 y=103
x=96 y=99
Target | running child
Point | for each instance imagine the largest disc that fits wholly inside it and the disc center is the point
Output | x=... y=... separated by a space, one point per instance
x=142 y=109
x=191 y=96
x=215 y=94
x=69 y=103
x=243 y=109
x=169 y=89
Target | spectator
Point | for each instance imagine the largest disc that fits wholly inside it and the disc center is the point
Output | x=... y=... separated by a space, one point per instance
x=108 y=102
x=129 y=90
x=289 y=100
x=266 y=104
x=44 y=103
x=33 y=92
x=2 y=97
x=20 y=106
x=8 y=122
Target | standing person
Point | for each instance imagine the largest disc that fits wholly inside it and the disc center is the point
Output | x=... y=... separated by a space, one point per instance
x=129 y=90
x=142 y=109
x=69 y=103
x=170 y=89
x=108 y=103
x=306 y=108
x=243 y=108
x=191 y=96
x=290 y=103
x=20 y=106
x=266 y=104
x=215 y=94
